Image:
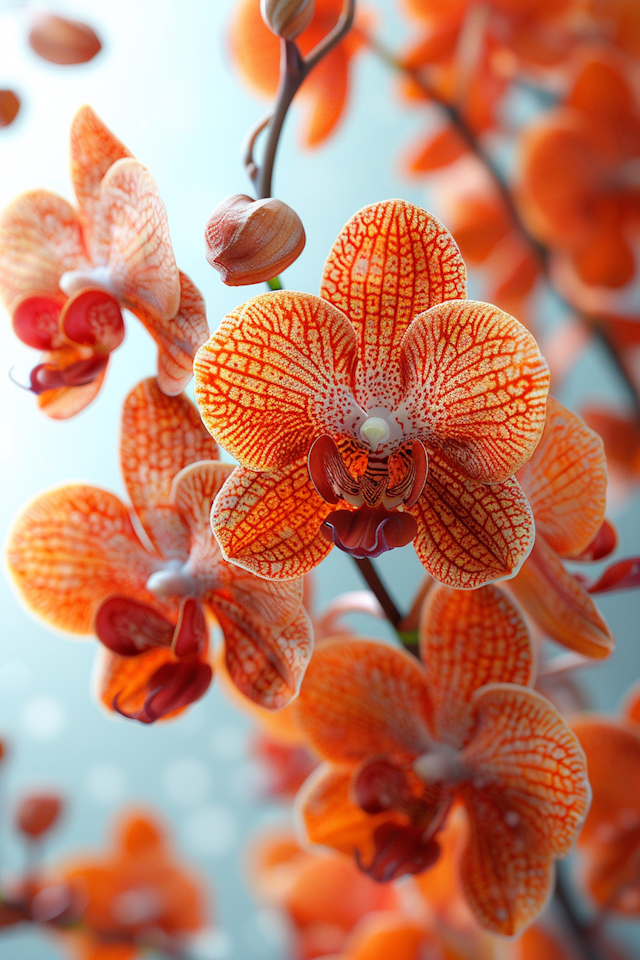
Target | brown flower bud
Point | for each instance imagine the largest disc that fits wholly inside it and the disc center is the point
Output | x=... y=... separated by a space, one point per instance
x=9 y=106
x=251 y=241
x=37 y=813
x=63 y=41
x=287 y=18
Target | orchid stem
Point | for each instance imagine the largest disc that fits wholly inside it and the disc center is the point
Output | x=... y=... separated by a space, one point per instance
x=275 y=284
x=379 y=590
x=294 y=68
x=595 y=324
x=580 y=930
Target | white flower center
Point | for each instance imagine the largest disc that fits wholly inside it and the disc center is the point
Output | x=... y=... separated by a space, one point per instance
x=375 y=431
x=173 y=581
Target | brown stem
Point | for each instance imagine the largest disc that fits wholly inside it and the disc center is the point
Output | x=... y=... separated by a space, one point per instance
x=583 y=934
x=597 y=325
x=379 y=590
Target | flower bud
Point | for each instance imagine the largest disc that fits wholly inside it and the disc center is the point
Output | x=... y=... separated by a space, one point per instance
x=251 y=241
x=63 y=41
x=9 y=106
x=287 y=18
x=37 y=813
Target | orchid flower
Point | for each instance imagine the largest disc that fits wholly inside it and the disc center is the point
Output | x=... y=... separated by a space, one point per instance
x=66 y=274
x=78 y=562
x=389 y=409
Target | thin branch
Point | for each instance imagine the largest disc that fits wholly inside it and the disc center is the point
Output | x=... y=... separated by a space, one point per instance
x=379 y=590
x=580 y=930
x=248 y=143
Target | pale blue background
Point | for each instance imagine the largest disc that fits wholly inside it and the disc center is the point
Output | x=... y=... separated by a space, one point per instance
x=164 y=85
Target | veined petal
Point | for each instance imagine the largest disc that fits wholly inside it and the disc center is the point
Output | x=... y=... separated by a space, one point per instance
x=559 y=603
x=159 y=436
x=361 y=699
x=93 y=150
x=566 y=481
x=390 y=262
x=475 y=388
x=266 y=666
x=131 y=240
x=276 y=374
x=269 y=523
x=529 y=764
x=470 y=534
x=193 y=490
x=469 y=638
x=179 y=338
x=70 y=549
x=40 y=239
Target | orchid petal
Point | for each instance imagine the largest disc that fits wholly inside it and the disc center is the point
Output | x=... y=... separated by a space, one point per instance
x=179 y=338
x=475 y=388
x=275 y=375
x=93 y=150
x=92 y=318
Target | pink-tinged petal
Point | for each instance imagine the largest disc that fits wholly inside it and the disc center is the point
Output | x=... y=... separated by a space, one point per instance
x=269 y=523
x=604 y=543
x=70 y=549
x=179 y=338
x=276 y=374
x=92 y=318
x=475 y=388
x=160 y=436
x=266 y=667
x=131 y=242
x=93 y=150
x=470 y=534
x=36 y=321
x=469 y=638
x=128 y=627
x=40 y=239
x=361 y=699
x=559 y=603
x=390 y=262
x=566 y=482
x=624 y=575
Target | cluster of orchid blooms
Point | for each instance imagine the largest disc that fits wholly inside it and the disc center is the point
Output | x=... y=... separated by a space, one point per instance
x=390 y=409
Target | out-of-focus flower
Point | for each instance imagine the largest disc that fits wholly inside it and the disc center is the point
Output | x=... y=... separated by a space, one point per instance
x=37 y=813
x=323 y=897
x=287 y=18
x=621 y=437
x=251 y=241
x=404 y=740
x=9 y=107
x=63 y=41
x=390 y=398
x=325 y=92
x=610 y=840
x=566 y=484
x=617 y=22
x=65 y=274
x=136 y=896
x=580 y=187
x=78 y=563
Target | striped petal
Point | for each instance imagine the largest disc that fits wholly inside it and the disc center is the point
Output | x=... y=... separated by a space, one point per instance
x=559 y=604
x=179 y=338
x=469 y=638
x=390 y=262
x=470 y=534
x=266 y=666
x=40 y=239
x=159 y=436
x=566 y=482
x=70 y=549
x=275 y=375
x=361 y=699
x=131 y=241
x=269 y=523
x=475 y=388
x=93 y=150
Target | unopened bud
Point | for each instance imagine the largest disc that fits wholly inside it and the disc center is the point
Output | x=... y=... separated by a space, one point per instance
x=251 y=241
x=9 y=106
x=287 y=18
x=37 y=813
x=63 y=41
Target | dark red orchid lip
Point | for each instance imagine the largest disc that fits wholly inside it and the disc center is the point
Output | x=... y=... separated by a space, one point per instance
x=47 y=377
x=172 y=686
x=399 y=850
x=369 y=531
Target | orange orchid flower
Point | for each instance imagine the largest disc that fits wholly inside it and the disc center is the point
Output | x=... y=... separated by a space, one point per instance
x=78 y=563
x=325 y=93
x=580 y=190
x=621 y=437
x=610 y=841
x=566 y=483
x=389 y=409
x=403 y=740
x=135 y=895
x=66 y=274
x=323 y=897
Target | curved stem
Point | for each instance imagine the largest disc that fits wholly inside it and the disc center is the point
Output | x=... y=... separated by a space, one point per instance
x=597 y=325
x=248 y=143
